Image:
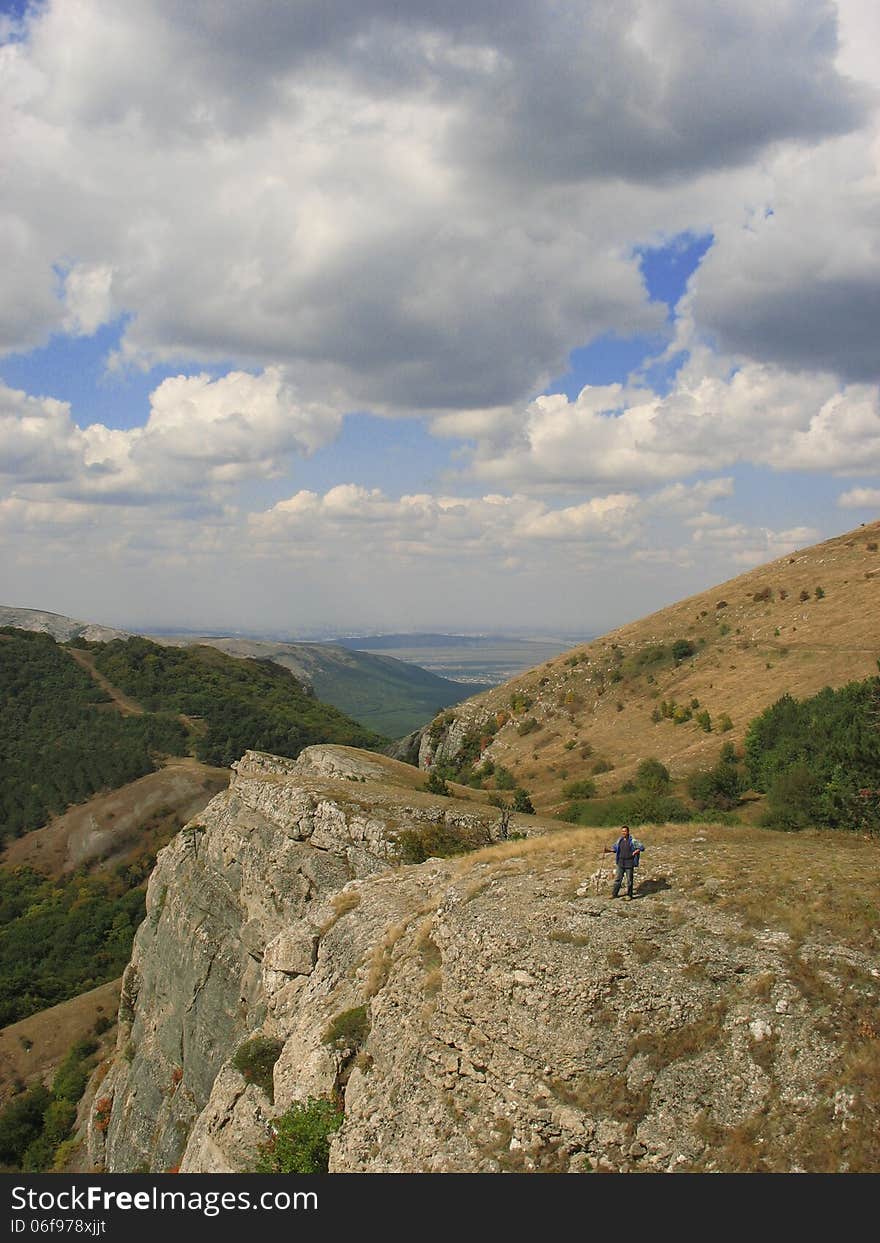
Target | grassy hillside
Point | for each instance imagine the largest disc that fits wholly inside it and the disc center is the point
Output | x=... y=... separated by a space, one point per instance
x=680 y=683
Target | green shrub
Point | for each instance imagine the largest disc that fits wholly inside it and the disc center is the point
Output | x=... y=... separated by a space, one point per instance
x=602 y=766
x=585 y=788
x=504 y=779
x=650 y=655
x=652 y=775
x=682 y=649
x=721 y=787
x=301 y=1143
x=255 y=1060
x=522 y=803
x=436 y=784
x=793 y=798
x=639 y=808
x=436 y=841
x=528 y=726
x=349 y=1029
x=724 y=723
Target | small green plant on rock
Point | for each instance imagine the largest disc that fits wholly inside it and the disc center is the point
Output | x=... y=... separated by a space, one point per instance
x=255 y=1061
x=349 y=1029
x=301 y=1140
x=436 y=784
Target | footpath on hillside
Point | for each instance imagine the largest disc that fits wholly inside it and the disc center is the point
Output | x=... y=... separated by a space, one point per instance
x=126 y=705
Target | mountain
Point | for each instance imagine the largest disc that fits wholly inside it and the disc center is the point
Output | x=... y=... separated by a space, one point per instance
x=492 y=1011
x=61 y=628
x=389 y=696
x=795 y=625
x=448 y=987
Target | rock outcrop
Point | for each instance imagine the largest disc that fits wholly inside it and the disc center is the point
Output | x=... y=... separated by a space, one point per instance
x=490 y=1012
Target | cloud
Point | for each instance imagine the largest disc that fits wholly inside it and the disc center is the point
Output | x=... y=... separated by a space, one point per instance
x=413 y=208
x=202 y=436
x=368 y=520
x=860 y=498
x=630 y=436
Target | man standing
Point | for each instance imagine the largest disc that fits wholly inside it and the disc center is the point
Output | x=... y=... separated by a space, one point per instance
x=626 y=854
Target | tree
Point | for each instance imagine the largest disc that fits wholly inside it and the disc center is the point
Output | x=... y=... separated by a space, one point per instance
x=652 y=776
x=522 y=803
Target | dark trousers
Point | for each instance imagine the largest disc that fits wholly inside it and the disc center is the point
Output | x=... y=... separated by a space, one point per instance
x=621 y=868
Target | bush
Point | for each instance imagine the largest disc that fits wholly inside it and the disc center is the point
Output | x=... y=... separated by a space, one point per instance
x=301 y=1143
x=528 y=726
x=522 y=803
x=435 y=841
x=652 y=775
x=682 y=649
x=720 y=788
x=436 y=784
x=585 y=788
x=255 y=1060
x=632 y=809
x=504 y=779
x=349 y=1029
x=793 y=798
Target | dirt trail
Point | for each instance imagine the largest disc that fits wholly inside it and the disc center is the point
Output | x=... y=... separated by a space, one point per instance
x=126 y=705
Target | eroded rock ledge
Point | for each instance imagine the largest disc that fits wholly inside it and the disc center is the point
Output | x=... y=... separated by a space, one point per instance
x=514 y=1018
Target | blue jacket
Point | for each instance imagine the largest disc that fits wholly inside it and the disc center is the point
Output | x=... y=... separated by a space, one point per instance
x=636 y=845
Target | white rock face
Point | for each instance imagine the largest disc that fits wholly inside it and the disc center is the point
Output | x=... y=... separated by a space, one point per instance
x=480 y=1013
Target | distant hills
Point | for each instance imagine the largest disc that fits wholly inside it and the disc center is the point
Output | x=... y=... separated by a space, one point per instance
x=472 y=659
x=61 y=628
x=385 y=694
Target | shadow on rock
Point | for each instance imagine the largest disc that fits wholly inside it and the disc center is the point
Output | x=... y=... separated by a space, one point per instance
x=657 y=885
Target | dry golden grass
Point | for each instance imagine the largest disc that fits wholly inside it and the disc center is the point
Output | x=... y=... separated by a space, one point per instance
x=34 y=1047
x=343 y=902
x=122 y=823
x=749 y=653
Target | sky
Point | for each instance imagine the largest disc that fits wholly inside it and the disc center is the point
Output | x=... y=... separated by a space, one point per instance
x=347 y=315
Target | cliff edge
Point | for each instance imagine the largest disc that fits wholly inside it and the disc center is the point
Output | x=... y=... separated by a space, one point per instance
x=497 y=1010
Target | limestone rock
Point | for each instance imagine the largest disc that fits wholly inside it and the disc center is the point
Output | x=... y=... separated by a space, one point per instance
x=480 y=1013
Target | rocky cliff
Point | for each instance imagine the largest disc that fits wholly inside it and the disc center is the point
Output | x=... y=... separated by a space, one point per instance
x=497 y=1010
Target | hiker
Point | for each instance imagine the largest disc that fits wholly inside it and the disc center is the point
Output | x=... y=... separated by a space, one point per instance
x=626 y=853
